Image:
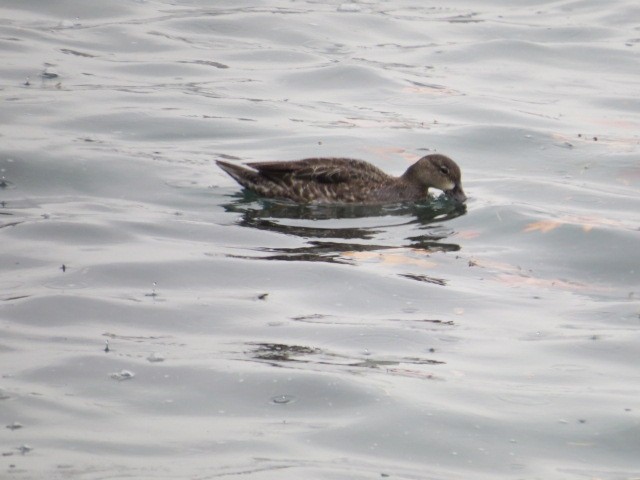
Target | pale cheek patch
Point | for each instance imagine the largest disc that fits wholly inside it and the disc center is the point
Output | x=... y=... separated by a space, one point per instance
x=445 y=187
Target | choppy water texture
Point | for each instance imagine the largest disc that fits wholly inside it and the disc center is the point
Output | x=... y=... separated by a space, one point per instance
x=259 y=340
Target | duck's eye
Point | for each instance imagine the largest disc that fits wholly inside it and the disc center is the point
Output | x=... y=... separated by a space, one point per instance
x=444 y=170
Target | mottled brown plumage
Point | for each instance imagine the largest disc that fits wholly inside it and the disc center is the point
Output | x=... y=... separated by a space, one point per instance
x=345 y=180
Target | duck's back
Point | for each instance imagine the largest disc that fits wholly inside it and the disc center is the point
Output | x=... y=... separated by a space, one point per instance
x=322 y=170
x=325 y=180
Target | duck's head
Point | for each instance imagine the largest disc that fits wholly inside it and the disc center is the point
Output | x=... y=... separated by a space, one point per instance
x=438 y=171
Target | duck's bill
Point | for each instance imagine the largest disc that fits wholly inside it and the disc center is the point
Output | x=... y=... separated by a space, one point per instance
x=457 y=194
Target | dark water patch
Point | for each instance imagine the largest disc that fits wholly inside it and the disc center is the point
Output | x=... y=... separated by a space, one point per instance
x=68 y=51
x=19 y=297
x=281 y=352
x=424 y=321
x=291 y=355
x=465 y=18
x=425 y=278
x=4 y=183
x=319 y=251
x=312 y=318
x=268 y=220
x=427 y=244
x=208 y=63
x=283 y=399
x=331 y=319
x=298 y=255
x=10 y=224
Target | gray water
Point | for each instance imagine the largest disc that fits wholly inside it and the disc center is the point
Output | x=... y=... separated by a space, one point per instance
x=258 y=340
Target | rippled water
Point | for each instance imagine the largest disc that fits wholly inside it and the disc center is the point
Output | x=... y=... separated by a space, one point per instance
x=157 y=322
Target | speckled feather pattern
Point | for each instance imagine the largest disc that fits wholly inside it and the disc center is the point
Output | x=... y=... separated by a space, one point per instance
x=336 y=180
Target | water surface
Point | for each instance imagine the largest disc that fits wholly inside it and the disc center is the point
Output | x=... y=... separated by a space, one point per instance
x=253 y=338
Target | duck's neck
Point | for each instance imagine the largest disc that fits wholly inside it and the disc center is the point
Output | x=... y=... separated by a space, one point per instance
x=410 y=176
x=411 y=187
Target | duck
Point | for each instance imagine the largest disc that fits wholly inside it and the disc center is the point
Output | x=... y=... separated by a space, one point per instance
x=347 y=180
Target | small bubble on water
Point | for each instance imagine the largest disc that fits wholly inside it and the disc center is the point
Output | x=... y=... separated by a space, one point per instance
x=155 y=357
x=153 y=291
x=283 y=399
x=23 y=449
x=123 y=375
x=66 y=23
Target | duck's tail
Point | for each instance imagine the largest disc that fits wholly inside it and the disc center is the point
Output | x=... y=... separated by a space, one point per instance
x=244 y=176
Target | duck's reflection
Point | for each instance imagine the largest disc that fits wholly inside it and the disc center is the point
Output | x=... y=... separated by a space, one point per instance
x=323 y=226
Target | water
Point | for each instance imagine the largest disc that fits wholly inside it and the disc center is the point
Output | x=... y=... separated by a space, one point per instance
x=250 y=338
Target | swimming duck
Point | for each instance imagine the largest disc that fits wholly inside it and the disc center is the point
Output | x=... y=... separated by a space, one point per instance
x=346 y=180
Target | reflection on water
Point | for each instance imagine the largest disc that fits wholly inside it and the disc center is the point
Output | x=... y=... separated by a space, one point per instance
x=282 y=353
x=277 y=354
x=317 y=222
x=425 y=278
x=311 y=368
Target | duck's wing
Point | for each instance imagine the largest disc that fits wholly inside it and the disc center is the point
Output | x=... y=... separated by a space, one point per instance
x=321 y=170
